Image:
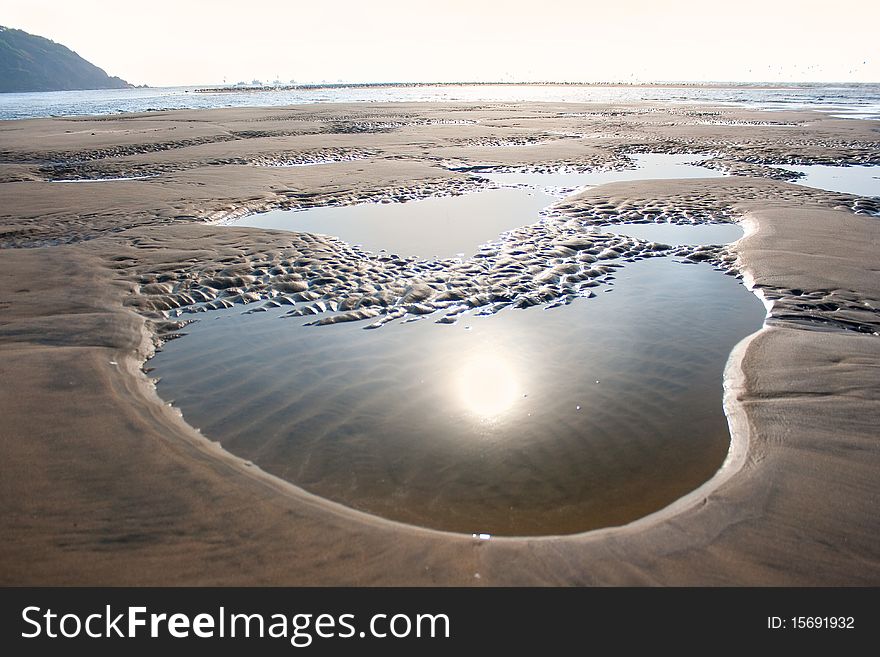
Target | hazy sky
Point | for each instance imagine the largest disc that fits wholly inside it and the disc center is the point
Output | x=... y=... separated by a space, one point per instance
x=164 y=42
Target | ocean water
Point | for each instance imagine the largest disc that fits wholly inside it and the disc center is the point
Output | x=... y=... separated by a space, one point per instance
x=851 y=100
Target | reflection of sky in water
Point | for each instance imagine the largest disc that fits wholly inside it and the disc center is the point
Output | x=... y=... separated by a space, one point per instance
x=674 y=234
x=454 y=226
x=860 y=180
x=449 y=226
x=528 y=421
x=649 y=166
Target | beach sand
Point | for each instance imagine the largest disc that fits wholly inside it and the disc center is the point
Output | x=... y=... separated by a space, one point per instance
x=104 y=483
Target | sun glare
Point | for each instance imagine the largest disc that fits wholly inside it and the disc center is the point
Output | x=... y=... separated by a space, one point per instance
x=487 y=385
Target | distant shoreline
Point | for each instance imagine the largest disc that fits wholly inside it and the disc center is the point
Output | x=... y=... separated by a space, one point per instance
x=632 y=85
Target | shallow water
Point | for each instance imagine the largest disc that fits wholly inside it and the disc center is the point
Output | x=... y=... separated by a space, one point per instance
x=449 y=226
x=455 y=226
x=675 y=234
x=860 y=180
x=92 y=180
x=649 y=166
x=527 y=422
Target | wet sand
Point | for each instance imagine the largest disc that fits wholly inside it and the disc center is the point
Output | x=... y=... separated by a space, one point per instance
x=104 y=483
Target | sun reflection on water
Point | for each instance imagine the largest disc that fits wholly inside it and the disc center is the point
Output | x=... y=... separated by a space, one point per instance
x=487 y=385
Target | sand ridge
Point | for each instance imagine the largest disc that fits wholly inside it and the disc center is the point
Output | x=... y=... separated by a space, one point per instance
x=99 y=466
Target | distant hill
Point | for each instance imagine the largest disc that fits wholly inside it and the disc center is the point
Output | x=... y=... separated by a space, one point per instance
x=33 y=63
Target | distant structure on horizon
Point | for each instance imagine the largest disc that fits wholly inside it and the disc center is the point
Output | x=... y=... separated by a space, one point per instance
x=33 y=63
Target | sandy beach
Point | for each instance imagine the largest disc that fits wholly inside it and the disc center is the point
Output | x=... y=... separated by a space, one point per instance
x=109 y=225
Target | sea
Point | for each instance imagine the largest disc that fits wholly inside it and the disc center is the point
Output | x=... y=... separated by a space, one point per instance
x=855 y=101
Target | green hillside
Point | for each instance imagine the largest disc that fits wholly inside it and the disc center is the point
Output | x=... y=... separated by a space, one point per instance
x=32 y=63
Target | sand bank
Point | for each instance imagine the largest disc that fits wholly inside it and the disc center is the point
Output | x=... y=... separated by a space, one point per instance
x=104 y=483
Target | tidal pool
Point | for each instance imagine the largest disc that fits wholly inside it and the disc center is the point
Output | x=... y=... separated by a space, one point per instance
x=649 y=166
x=444 y=227
x=528 y=422
x=859 y=180
x=677 y=234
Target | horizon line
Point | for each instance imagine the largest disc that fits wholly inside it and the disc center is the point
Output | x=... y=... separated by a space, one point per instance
x=595 y=83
